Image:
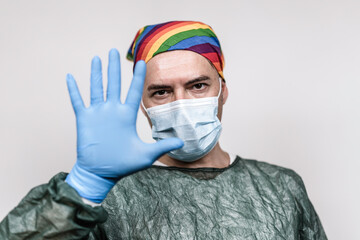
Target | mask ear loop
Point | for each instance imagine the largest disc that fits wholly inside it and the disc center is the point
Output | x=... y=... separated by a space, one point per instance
x=142 y=104
x=220 y=79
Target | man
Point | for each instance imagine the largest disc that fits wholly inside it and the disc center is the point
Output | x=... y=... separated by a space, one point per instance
x=194 y=190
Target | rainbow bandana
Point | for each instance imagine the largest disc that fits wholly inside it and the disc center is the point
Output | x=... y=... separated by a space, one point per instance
x=177 y=35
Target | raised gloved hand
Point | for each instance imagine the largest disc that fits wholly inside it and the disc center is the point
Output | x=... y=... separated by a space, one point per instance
x=108 y=146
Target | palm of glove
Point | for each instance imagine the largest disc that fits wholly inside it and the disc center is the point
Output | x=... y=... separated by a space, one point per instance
x=107 y=142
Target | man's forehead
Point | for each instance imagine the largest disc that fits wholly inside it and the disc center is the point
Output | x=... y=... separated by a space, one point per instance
x=177 y=59
x=179 y=65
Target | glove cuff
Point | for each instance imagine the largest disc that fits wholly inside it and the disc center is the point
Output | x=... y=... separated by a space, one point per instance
x=89 y=185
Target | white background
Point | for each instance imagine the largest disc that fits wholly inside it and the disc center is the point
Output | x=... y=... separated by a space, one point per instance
x=292 y=68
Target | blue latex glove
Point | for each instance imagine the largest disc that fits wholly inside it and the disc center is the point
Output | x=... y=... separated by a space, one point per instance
x=108 y=146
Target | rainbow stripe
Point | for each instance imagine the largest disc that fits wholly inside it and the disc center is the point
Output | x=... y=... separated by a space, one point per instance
x=177 y=35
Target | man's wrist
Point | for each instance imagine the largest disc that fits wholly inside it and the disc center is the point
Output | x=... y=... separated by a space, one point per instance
x=89 y=185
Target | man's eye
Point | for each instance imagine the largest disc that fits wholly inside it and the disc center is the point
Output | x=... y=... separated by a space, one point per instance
x=160 y=92
x=199 y=86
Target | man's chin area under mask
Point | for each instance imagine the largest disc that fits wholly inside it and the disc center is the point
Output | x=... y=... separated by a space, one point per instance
x=216 y=158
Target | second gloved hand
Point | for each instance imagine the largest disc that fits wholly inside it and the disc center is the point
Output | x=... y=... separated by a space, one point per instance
x=108 y=146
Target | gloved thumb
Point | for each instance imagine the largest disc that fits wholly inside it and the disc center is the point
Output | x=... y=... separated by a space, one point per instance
x=164 y=146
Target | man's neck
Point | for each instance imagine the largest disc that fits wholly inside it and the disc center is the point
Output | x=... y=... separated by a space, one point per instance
x=216 y=158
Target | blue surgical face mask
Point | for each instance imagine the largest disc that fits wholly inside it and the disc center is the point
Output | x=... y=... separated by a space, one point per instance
x=194 y=121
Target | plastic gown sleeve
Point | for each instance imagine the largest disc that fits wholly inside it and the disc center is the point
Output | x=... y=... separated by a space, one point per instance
x=53 y=211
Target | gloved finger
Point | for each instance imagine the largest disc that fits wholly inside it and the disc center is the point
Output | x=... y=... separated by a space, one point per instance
x=137 y=85
x=74 y=93
x=113 y=88
x=96 y=84
x=164 y=146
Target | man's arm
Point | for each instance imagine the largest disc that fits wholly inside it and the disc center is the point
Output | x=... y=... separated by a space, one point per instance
x=108 y=148
x=311 y=227
x=52 y=211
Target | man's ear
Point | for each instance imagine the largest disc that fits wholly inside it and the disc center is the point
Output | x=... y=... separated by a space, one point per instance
x=225 y=91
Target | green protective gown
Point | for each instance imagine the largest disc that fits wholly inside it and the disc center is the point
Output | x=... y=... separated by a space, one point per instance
x=247 y=200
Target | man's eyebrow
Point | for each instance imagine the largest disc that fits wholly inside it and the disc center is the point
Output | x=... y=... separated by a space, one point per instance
x=162 y=86
x=156 y=87
x=198 y=79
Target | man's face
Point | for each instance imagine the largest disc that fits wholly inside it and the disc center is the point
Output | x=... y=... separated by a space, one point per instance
x=181 y=74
